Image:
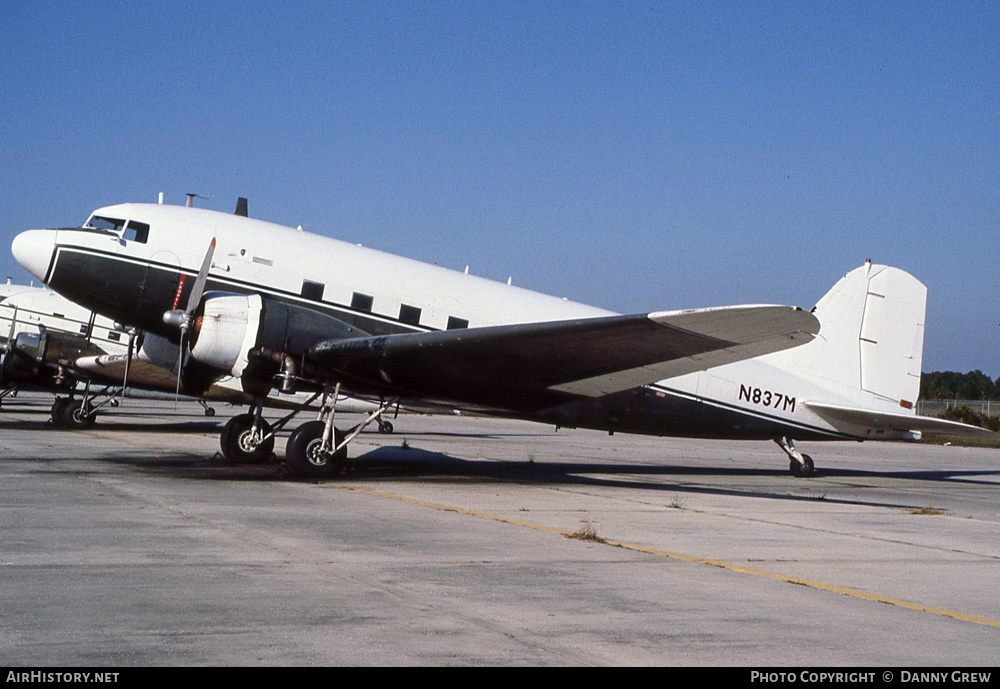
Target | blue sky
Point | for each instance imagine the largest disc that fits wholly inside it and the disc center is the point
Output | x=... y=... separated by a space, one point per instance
x=637 y=156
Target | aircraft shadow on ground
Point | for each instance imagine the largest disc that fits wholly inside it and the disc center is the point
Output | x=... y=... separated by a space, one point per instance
x=399 y=462
x=395 y=464
x=206 y=426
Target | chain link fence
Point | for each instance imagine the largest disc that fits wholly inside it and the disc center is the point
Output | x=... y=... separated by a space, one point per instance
x=936 y=407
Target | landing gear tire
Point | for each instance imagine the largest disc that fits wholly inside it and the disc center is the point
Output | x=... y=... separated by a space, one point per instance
x=209 y=411
x=57 y=407
x=241 y=445
x=802 y=471
x=385 y=427
x=304 y=452
x=76 y=414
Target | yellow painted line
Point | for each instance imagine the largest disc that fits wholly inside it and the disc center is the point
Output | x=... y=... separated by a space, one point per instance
x=819 y=585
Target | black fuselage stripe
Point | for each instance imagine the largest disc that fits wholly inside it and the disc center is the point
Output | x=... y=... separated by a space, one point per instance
x=749 y=412
x=243 y=285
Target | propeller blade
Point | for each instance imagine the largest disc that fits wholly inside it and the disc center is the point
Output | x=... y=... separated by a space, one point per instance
x=128 y=360
x=180 y=367
x=13 y=322
x=199 y=284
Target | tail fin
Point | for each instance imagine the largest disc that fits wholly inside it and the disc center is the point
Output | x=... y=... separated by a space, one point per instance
x=871 y=337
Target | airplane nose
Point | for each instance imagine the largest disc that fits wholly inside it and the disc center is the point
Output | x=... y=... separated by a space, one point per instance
x=33 y=250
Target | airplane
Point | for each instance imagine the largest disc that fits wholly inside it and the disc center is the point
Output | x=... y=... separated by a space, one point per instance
x=54 y=345
x=277 y=307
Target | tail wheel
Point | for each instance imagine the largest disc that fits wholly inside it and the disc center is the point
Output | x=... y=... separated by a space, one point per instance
x=802 y=470
x=305 y=454
x=242 y=444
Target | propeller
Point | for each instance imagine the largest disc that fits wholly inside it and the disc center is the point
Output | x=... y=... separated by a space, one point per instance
x=184 y=319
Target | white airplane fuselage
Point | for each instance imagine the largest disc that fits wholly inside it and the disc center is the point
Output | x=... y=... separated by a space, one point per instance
x=134 y=275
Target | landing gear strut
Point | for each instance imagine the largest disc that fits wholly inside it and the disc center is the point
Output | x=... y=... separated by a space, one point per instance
x=318 y=450
x=800 y=465
x=82 y=413
x=307 y=456
x=247 y=438
x=315 y=449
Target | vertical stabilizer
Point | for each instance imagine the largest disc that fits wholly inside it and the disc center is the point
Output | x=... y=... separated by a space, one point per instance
x=871 y=335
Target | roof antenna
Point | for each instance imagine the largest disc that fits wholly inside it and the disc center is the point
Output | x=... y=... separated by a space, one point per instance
x=192 y=197
x=241 y=206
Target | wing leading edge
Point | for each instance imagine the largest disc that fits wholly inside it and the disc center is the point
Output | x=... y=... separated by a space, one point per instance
x=532 y=366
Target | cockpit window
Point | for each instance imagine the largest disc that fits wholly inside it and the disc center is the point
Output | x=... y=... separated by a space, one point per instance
x=136 y=231
x=133 y=230
x=101 y=224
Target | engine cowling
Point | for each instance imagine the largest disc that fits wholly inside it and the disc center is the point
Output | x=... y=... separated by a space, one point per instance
x=43 y=358
x=229 y=328
x=226 y=329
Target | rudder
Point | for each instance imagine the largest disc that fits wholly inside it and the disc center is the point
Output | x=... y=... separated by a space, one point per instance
x=871 y=335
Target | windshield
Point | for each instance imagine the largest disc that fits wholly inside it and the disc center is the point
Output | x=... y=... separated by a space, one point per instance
x=102 y=224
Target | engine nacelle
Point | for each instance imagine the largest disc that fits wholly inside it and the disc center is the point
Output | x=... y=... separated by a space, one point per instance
x=24 y=357
x=228 y=327
x=43 y=358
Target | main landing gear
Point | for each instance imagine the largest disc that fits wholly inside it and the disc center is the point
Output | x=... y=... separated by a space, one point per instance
x=318 y=450
x=73 y=413
x=315 y=449
x=70 y=412
x=800 y=465
x=247 y=438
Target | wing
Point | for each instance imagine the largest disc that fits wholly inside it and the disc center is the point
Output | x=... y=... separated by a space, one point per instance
x=533 y=366
x=110 y=368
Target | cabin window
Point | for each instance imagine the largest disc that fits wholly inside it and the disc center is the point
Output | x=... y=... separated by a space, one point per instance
x=112 y=335
x=313 y=290
x=136 y=232
x=362 y=302
x=83 y=329
x=409 y=314
x=457 y=323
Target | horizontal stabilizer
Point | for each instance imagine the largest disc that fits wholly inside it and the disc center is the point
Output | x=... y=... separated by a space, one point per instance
x=534 y=365
x=888 y=421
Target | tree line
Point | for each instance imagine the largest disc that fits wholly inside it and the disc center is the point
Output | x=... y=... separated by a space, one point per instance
x=948 y=385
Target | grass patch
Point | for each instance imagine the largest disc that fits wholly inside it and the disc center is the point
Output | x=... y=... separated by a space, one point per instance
x=961 y=441
x=928 y=510
x=586 y=533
